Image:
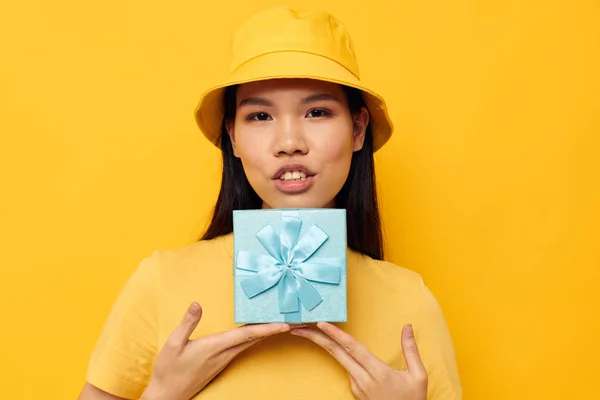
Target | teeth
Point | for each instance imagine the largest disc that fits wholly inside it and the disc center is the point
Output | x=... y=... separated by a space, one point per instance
x=293 y=176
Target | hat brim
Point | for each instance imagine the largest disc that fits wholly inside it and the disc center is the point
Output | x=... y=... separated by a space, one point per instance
x=291 y=64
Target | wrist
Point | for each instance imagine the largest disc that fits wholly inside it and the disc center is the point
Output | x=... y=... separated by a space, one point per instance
x=155 y=392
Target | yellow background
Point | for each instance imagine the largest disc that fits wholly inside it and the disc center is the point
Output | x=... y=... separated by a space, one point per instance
x=490 y=186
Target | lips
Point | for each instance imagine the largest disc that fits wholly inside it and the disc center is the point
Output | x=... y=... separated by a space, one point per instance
x=294 y=178
x=293 y=171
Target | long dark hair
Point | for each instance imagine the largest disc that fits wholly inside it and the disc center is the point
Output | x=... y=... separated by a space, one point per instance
x=358 y=195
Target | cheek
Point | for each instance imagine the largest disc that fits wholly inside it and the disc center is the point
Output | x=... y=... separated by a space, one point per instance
x=253 y=154
x=336 y=162
x=336 y=152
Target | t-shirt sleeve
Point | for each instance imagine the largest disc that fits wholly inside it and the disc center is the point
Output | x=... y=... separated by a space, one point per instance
x=122 y=360
x=436 y=348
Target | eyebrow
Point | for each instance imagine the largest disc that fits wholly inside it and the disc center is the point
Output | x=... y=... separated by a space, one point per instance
x=257 y=101
x=319 y=97
x=261 y=101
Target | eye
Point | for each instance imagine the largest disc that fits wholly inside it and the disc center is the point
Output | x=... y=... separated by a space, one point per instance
x=318 y=112
x=260 y=116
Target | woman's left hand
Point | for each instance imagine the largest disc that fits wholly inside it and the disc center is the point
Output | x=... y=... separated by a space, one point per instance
x=371 y=378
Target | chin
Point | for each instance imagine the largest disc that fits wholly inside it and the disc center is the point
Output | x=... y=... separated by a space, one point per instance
x=299 y=203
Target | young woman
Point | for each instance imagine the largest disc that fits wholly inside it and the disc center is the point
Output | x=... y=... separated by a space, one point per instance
x=297 y=129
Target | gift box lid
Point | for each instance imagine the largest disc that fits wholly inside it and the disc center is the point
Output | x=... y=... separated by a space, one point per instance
x=331 y=221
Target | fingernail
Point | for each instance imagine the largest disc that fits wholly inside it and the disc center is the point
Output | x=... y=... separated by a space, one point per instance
x=409 y=330
x=195 y=308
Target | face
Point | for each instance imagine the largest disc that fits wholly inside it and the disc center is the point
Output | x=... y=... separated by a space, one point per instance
x=295 y=139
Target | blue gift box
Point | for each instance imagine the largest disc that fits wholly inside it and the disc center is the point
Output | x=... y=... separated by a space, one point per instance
x=289 y=265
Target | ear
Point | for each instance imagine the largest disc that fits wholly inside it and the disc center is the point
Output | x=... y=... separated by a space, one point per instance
x=229 y=126
x=360 y=123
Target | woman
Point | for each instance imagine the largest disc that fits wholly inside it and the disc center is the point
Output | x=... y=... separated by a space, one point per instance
x=297 y=129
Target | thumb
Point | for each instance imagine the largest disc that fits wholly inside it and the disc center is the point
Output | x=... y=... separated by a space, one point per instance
x=181 y=334
x=411 y=352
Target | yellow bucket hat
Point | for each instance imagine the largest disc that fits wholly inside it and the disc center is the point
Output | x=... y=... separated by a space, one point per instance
x=282 y=43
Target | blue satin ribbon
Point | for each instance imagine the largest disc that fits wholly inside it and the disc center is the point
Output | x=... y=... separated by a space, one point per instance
x=290 y=265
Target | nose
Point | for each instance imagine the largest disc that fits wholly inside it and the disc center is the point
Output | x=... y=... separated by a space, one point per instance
x=289 y=138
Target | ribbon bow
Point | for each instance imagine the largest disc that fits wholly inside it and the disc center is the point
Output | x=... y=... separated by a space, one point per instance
x=289 y=265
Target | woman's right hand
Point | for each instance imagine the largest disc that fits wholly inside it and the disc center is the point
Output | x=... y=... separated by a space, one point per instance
x=184 y=367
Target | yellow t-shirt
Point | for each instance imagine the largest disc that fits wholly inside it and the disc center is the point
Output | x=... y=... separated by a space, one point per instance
x=382 y=297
